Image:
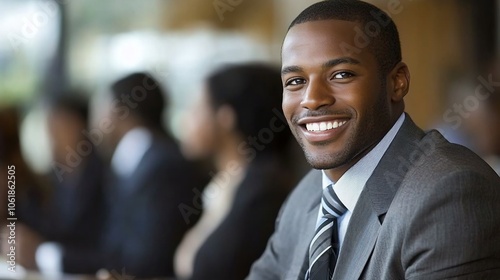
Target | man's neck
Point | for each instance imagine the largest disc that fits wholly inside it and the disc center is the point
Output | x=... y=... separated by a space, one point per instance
x=336 y=173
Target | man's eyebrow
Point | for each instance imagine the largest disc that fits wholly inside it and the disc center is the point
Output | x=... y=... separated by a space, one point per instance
x=328 y=64
x=290 y=69
x=341 y=60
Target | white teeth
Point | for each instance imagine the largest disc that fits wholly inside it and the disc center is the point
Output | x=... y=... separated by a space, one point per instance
x=322 y=126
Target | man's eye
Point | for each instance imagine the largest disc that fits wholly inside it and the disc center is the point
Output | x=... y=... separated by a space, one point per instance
x=343 y=75
x=295 y=81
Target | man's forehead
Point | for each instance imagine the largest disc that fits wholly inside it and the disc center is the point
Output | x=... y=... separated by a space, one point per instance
x=323 y=40
x=320 y=32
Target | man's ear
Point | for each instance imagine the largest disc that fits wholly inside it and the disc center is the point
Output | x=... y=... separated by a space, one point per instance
x=399 y=81
x=226 y=117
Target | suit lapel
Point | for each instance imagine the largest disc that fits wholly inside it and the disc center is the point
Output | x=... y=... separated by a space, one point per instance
x=374 y=202
x=359 y=241
x=301 y=258
x=392 y=168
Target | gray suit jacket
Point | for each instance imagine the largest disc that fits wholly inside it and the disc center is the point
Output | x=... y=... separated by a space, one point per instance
x=430 y=210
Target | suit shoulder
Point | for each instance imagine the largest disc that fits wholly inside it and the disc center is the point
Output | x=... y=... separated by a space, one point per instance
x=445 y=160
x=433 y=167
x=448 y=170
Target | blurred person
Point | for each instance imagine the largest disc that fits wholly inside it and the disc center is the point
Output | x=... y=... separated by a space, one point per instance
x=73 y=217
x=483 y=124
x=385 y=200
x=149 y=180
x=237 y=124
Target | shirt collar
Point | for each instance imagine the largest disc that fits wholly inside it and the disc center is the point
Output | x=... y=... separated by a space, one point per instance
x=130 y=150
x=348 y=188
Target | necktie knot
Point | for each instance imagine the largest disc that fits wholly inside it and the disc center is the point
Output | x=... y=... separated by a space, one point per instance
x=331 y=205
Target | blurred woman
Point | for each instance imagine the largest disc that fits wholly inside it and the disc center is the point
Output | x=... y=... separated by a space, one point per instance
x=237 y=124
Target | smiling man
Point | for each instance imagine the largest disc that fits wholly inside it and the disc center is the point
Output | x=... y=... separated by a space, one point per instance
x=386 y=200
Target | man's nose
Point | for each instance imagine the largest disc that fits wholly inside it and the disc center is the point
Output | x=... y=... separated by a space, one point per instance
x=317 y=95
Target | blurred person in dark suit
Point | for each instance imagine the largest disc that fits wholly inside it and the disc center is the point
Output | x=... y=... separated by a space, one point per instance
x=149 y=179
x=73 y=215
x=237 y=123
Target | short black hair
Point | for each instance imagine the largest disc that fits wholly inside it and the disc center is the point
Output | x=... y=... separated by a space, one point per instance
x=145 y=91
x=254 y=92
x=385 y=45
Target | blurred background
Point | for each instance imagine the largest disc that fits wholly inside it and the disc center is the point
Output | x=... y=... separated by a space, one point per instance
x=50 y=46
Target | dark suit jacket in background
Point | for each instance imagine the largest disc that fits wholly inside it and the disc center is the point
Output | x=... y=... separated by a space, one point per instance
x=430 y=210
x=144 y=224
x=69 y=213
x=240 y=239
x=74 y=216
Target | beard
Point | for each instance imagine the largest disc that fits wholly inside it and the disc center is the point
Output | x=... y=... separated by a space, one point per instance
x=358 y=139
x=354 y=145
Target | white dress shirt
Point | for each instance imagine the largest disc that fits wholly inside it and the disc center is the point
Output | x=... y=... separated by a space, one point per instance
x=349 y=186
x=218 y=197
x=130 y=151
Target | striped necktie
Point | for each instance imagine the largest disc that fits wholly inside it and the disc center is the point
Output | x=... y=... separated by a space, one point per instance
x=324 y=246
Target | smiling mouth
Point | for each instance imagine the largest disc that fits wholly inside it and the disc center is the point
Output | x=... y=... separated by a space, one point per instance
x=324 y=126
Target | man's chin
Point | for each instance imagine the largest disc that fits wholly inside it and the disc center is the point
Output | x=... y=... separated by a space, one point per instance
x=323 y=162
